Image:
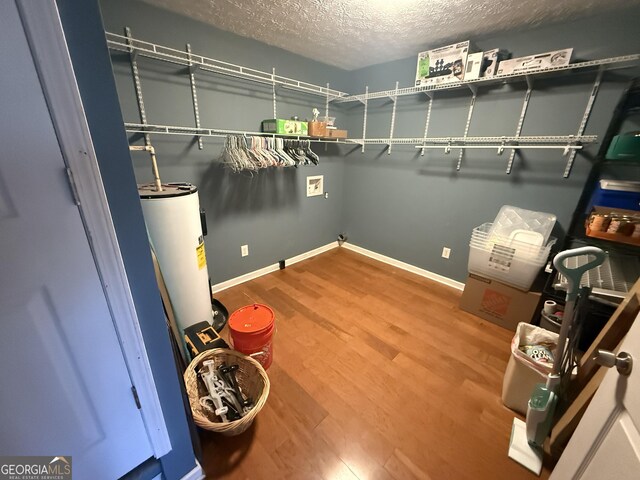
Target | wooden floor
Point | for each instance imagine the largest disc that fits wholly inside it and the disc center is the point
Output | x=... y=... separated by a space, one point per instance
x=377 y=375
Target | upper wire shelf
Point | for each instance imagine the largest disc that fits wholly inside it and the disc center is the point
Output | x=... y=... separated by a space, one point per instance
x=612 y=63
x=180 y=57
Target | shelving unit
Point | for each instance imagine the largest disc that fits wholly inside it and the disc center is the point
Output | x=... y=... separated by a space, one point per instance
x=194 y=63
x=568 y=144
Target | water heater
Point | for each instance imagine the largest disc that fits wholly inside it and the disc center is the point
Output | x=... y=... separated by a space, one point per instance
x=175 y=231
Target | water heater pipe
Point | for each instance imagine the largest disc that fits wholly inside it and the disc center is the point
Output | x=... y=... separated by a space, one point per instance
x=154 y=163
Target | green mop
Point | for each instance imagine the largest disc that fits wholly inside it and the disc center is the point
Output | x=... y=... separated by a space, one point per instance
x=527 y=439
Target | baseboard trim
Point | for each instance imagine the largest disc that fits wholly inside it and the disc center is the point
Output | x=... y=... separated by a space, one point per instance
x=218 y=287
x=196 y=474
x=449 y=282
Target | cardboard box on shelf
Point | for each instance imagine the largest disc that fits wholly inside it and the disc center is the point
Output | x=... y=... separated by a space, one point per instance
x=541 y=61
x=285 y=127
x=442 y=65
x=336 y=133
x=483 y=64
x=317 y=129
x=473 y=70
x=491 y=59
x=499 y=303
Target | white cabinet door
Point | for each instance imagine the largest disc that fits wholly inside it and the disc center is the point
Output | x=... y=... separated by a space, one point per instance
x=606 y=444
x=64 y=386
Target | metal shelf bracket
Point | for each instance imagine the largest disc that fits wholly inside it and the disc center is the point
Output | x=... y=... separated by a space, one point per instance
x=136 y=82
x=523 y=112
x=466 y=127
x=194 y=94
x=585 y=119
x=364 y=122
x=393 y=118
x=431 y=95
x=273 y=92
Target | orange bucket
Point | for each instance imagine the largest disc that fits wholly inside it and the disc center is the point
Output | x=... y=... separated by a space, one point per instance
x=252 y=330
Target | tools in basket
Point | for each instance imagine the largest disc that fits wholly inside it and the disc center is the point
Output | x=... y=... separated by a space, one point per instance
x=225 y=398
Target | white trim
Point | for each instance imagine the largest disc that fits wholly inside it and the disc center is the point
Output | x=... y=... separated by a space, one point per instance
x=48 y=45
x=196 y=474
x=449 y=282
x=218 y=287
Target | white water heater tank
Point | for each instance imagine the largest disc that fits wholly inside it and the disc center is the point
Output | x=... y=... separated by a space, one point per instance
x=174 y=225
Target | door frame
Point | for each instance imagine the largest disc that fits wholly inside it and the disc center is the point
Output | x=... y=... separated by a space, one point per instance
x=45 y=34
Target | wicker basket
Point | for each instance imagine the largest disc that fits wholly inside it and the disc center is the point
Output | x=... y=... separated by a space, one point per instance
x=252 y=380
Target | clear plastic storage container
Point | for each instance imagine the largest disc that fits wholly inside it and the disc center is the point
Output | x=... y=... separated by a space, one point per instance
x=510 y=261
x=520 y=224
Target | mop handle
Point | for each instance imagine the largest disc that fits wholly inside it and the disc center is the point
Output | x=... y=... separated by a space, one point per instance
x=573 y=276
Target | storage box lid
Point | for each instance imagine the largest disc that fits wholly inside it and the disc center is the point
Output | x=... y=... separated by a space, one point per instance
x=254 y=318
x=620 y=185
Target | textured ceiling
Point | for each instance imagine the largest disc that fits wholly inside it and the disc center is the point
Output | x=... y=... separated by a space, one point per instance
x=355 y=33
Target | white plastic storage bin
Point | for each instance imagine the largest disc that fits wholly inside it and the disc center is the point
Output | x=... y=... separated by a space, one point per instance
x=509 y=261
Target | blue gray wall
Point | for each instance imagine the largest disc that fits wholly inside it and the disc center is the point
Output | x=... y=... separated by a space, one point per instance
x=409 y=206
x=84 y=33
x=268 y=210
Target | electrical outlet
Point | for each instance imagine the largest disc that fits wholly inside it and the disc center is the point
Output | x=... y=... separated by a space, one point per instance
x=446 y=252
x=326 y=194
x=244 y=250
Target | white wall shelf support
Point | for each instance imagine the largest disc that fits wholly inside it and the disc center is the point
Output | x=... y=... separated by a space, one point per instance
x=523 y=112
x=136 y=81
x=273 y=92
x=585 y=118
x=466 y=127
x=194 y=93
x=394 y=99
x=364 y=122
x=428 y=119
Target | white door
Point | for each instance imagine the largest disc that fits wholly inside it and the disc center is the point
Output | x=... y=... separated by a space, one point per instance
x=64 y=386
x=606 y=444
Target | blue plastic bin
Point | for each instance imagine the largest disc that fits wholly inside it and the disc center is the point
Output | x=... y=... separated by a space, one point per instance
x=617 y=194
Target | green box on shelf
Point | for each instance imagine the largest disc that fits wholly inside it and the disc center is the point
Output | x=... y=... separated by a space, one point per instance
x=285 y=127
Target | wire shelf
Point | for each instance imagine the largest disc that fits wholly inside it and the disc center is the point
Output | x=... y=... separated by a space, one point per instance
x=217 y=132
x=612 y=63
x=179 y=57
x=614 y=278
x=560 y=140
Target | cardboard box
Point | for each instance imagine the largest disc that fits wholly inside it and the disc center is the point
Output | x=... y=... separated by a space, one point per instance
x=541 y=61
x=285 y=127
x=317 y=129
x=473 y=70
x=491 y=59
x=336 y=133
x=442 y=65
x=483 y=64
x=499 y=303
